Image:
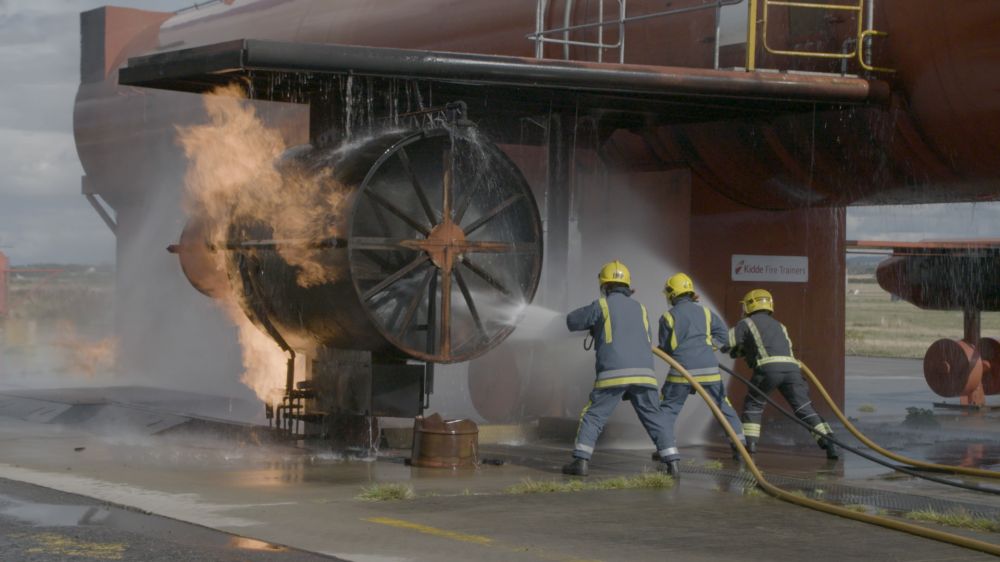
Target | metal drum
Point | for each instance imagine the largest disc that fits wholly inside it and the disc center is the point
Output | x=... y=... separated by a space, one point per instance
x=952 y=368
x=438 y=242
x=989 y=350
x=439 y=443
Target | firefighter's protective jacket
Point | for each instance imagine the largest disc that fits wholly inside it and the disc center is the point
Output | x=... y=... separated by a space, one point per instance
x=764 y=342
x=620 y=327
x=690 y=332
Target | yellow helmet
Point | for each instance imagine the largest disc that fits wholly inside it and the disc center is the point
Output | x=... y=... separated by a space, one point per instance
x=677 y=285
x=757 y=299
x=615 y=272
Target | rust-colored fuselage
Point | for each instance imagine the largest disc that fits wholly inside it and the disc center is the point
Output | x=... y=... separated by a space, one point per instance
x=767 y=186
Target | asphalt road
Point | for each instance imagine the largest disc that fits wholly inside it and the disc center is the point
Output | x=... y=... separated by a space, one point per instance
x=40 y=525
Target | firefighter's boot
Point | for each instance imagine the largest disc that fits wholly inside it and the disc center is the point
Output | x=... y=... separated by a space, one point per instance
x=576 y=468
x=832 y=452
x=751 y=445
x=672 y=468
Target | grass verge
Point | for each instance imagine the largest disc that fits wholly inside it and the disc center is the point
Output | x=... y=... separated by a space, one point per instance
x=960 y=519
x=386 y=492
x=653 y=480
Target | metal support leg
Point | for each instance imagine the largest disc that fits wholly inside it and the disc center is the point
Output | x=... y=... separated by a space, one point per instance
x=971 y=326
x=557 y=211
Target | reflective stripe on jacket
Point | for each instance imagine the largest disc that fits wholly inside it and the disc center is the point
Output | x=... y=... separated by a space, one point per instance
x=689 y=332
x=620 y=327
x=764 y=342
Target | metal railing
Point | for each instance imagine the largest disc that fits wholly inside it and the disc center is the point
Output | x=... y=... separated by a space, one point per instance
x=863 y=10
x=541 y=36
x=861 y=42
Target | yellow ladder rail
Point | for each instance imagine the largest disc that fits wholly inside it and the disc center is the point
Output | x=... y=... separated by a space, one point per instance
x=858 y=8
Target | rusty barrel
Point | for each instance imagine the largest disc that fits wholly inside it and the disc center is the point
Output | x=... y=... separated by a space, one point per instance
x=440 y=443
x=989 y=350
x=952 y=368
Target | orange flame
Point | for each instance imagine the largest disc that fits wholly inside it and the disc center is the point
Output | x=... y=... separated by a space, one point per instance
x=85 y=356
x=233 y=175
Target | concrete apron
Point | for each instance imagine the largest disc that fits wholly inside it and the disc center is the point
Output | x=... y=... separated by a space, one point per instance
x=287 y=496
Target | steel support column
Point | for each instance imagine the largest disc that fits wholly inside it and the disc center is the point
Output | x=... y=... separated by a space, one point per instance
x=971 y=325
x=561 y=139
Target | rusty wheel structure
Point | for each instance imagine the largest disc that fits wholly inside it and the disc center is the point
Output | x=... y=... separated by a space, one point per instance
x=444 y=244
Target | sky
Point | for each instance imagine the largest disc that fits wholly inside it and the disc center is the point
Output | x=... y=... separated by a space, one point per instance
x=44 y=218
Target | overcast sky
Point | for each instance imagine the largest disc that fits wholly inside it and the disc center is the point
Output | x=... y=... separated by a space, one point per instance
x=43 y=217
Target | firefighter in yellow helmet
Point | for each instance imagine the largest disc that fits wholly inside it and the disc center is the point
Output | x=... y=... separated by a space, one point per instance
x=620 y=328
x=764 y=343
x=690 y=332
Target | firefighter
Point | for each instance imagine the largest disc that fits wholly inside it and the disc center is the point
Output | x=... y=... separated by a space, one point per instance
x=764 y=343
x=620 y=330
x=690 y=332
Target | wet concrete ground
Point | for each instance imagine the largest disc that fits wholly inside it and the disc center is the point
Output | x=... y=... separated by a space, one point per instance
x=40 y=524
x=287 y=496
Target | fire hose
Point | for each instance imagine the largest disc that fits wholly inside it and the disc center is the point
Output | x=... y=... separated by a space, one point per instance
x=983 y=473
x=846 y=447
x=784 y=495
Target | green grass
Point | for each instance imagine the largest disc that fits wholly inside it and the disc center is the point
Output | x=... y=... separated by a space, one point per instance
x=694 y=463
x=959 y=519
x=878 y=327
x=862 y=508
x=895 y=476
x=386 y=492
x=654 y=480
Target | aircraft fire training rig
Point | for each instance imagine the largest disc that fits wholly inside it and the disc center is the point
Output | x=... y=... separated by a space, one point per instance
x=748 y=140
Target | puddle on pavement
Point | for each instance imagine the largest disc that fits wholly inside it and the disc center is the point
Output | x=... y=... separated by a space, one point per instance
x=59 y=515
x=973 y=455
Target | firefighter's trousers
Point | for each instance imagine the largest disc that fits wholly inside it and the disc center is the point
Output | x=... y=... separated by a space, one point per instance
x=793 y=387
x=602 y=403
x=673 y=397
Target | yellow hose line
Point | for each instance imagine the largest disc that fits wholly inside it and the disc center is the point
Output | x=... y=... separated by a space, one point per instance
x=818 y=505
x=871 y=444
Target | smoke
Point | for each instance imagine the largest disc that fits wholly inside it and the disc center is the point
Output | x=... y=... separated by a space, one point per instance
x=236 y=176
